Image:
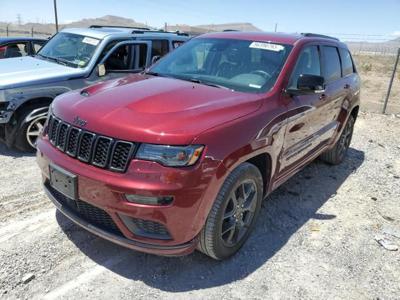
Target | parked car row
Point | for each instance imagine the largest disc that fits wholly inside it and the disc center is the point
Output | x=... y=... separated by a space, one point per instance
x=180 y=156
x=71 y=59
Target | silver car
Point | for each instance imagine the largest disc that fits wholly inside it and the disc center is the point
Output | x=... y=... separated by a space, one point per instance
x=71 y=59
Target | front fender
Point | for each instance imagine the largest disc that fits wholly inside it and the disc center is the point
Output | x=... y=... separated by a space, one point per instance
x=17 y=97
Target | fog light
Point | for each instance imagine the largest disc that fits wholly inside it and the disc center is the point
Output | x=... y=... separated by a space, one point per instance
x=139 y=199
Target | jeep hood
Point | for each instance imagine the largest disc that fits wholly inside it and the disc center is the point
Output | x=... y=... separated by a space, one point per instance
x=27 y=70
x=154 y=109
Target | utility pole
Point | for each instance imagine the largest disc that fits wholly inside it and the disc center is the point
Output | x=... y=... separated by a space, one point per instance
x=55 y=14
x=7 y=28
x=391 y=82
x=276 y=27
x=19 y=20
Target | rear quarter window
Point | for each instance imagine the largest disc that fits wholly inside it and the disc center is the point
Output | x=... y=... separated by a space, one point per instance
x=347 y=62
x=331 y=63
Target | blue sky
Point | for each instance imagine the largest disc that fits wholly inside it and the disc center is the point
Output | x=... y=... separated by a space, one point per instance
x=368 y=17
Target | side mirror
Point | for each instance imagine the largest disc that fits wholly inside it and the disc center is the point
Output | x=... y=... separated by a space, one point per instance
x=155 y=59
x=308 y=84
x=101 y=70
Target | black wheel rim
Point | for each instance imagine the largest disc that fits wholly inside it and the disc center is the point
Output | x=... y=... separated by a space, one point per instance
x=345 y=138
x=239 y=213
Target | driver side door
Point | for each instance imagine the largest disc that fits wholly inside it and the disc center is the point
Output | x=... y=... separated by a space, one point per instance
x=304 y=129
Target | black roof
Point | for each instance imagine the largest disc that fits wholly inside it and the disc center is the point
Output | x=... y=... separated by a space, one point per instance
x=19 y=39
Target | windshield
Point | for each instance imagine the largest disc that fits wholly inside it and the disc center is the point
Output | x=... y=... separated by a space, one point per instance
x=240 y=65
x=70 y=49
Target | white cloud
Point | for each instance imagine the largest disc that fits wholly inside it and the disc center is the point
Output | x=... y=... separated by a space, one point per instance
x=396 y=33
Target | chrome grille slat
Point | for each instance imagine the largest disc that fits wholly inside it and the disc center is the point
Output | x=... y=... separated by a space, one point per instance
x=97 y=150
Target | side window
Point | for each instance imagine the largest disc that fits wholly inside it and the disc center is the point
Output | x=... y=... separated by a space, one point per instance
x=16 y=50
x=3 y=51
x=307 y=63
x=127 y=57
x=120 y=59
x=37 y=45
x=176 y=44
x=347 y=62
x=159 y=47
x=331 y=62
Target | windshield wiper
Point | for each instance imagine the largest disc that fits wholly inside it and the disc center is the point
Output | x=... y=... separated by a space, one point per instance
x=199 y=81
x=58 y=60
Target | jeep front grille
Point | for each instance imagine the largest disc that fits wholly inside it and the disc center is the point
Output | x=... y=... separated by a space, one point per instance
x=97 y=150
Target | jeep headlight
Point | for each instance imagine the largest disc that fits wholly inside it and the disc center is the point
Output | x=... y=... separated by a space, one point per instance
x=171 y=156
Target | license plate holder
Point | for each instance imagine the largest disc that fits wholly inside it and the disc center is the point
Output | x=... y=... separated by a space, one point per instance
x=63 y=181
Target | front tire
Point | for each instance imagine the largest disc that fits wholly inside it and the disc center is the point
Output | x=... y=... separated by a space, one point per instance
x=337 y=154
x=28 y=133
x=233 y=214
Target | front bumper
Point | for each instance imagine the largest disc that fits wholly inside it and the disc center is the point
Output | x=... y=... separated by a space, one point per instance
x=193 y=189
x=173 y=250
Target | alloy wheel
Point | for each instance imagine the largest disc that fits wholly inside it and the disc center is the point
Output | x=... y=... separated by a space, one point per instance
x=239 y=213
x=34 y=129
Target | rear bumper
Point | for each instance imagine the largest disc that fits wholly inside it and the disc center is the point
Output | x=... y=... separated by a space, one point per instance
x=173 y=250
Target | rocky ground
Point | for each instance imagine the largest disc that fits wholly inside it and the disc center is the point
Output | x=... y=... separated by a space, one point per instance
x=327 y=233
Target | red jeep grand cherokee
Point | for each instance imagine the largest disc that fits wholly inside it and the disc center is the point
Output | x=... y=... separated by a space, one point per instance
x=181 y=156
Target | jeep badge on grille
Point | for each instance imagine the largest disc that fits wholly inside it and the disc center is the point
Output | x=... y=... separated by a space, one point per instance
x=79 y=122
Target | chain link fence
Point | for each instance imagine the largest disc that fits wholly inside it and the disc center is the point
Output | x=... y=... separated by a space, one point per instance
x=25 y=31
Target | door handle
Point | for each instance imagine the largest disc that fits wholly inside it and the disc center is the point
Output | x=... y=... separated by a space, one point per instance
x=322 y=97
x=346 y=86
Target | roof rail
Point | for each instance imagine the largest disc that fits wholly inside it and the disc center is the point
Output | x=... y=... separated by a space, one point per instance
x=229 y=30
x=160 y=31
x=113 y=26
x=307 y=34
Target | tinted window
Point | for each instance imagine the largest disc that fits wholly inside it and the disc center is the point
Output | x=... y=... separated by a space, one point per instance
x=176 y=44
x=159 y=47
x=127 y=57
x=331 y=63
x=347 y=63
x=307 y=63
x=37 y=45
x=247 y=66
x=13 y=50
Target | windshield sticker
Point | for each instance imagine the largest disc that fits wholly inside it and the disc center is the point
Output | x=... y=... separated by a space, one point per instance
x=90 y=41
x=267 y=46
x=256 y=86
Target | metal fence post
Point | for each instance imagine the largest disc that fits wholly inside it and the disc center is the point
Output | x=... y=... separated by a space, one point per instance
x=391 y=82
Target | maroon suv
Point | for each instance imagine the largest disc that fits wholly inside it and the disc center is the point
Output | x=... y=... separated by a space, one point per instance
x=181 y=156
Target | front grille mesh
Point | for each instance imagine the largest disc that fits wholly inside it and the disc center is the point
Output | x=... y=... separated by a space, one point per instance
x=86 y=211
x=88 y=147
x=150 y=227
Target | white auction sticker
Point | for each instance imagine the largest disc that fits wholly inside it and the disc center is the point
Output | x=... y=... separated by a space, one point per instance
x=90 y=41
x=267 y=46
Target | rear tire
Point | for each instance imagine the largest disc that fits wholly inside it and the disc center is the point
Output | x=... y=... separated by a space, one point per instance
x=233 y=214
x=337 y=154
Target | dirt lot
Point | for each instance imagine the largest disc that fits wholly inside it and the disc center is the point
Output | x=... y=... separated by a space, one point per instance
x=315 y=238
x=375 y=72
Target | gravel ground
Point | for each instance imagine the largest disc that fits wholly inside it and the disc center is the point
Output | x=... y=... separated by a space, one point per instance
x=316 y=238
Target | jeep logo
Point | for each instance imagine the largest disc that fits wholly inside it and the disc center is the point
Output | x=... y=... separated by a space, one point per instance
x=79 y=122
